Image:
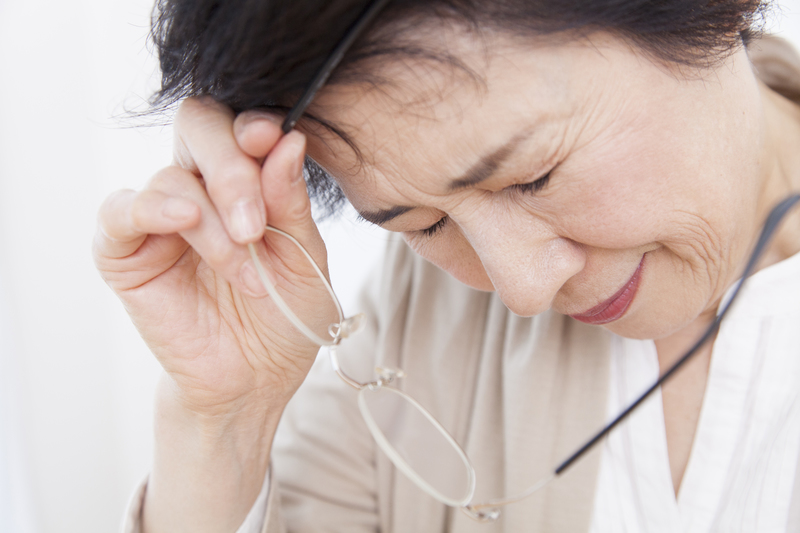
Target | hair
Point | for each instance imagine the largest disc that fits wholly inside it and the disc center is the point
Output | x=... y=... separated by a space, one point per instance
x=263 y=53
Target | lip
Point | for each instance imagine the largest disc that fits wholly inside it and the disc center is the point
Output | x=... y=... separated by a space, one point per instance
x=616 y=306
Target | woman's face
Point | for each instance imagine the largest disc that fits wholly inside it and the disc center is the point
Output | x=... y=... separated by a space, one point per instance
x=580 y=176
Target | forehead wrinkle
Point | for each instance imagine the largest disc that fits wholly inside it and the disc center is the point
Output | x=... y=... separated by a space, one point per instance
x=479 y=172
x=488 y=164
x=411 y=76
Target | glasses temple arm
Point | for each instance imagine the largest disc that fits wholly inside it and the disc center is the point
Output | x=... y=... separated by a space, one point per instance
x=773 y=220
x=332 y=62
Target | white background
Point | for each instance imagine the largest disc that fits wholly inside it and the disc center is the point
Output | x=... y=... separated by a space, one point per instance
x=76 y=382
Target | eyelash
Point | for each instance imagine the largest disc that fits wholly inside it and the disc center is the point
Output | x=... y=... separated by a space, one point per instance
x=433 y=230
x=532 y=187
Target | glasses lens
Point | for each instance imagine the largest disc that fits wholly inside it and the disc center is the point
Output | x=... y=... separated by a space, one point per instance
x=418 y=445
x=297 y=286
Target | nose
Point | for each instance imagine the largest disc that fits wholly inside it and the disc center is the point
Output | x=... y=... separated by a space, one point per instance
x=526 y=260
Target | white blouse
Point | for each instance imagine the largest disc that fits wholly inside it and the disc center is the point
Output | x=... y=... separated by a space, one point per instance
x=741 y=471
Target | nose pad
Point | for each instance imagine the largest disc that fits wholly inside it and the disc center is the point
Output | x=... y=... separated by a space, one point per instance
x=527 y=263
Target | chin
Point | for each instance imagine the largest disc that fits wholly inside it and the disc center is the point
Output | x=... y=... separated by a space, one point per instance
x=632 y=330
x=639 y=324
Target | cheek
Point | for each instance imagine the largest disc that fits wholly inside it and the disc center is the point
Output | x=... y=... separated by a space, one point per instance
x=649 y=194
x=605 y=209
x=627 y=189
x=658 y=172
x=451 y=252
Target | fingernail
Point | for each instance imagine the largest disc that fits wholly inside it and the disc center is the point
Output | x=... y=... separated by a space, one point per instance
x=299 y=160
x=178 y=208
x=253 y=117
x=297 y=175
x=247 y=220
x=275 y=119
x=251 y=281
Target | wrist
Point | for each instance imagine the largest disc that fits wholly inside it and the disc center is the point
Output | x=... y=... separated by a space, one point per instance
x=209 y=465
x=242 y=428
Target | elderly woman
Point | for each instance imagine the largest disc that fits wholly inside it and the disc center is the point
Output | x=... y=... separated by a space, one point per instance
x=578 y=186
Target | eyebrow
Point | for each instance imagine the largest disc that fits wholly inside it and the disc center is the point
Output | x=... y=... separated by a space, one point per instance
x=384 y=215
x=487 y=166
x=477 y=173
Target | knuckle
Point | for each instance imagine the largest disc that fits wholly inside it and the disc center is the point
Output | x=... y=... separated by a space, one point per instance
x=99 y=254
x=181 y=156
x=199 y=107
x=113 y=220
x=185 y=110
x=139 y=213
x=301 y=209
x=168 y=178
x=232 y=175
x=113 y=200
x=222 y=256
x=110 y=210
x=161 y=179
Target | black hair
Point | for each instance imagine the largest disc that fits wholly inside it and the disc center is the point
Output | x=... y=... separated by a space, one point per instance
x=263 y=53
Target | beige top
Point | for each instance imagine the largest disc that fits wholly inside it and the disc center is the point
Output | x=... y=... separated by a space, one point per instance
x=519 y=394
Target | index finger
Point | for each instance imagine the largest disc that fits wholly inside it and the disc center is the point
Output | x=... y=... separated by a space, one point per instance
x=205 y=145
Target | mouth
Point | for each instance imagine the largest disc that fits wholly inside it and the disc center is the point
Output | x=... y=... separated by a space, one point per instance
x=616 y=306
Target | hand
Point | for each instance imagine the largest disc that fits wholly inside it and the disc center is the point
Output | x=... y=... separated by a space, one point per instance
x=175 y=255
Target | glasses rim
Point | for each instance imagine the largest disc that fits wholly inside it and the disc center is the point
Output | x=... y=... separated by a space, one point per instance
x=397 y=459
x=487 y=511
x=336 y=335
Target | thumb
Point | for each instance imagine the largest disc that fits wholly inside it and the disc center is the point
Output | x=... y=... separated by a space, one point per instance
x=286 y=197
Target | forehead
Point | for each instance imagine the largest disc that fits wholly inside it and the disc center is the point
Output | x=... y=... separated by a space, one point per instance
x=425 y=117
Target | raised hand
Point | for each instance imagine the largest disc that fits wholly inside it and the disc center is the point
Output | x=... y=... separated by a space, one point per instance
x=175 y=255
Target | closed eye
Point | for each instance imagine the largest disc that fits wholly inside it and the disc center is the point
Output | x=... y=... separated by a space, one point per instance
x=433 y=230
x=533 y=186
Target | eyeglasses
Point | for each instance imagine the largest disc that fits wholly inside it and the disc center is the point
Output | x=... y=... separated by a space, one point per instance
x=397 y=422
x=442 y=469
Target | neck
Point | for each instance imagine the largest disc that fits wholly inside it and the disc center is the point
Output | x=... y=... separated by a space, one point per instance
x=682 y=396
x=781 y=172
